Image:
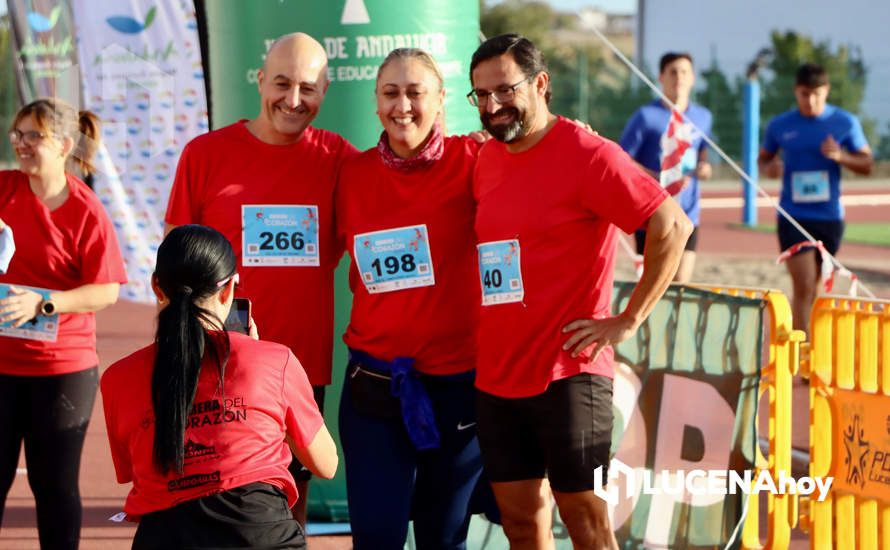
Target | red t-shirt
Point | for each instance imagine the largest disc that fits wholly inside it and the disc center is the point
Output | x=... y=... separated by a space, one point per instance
x=227 y=168
x=561 y=200
x=231 y=439
x=436 y=323
x=62 y=249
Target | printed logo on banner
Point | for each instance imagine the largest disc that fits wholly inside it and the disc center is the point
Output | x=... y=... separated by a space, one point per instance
x=41 y=23
x=859 y=437
x=140 y=75
x=355 y=13
x=46 y=51
x=857 y=449
x=128 y=25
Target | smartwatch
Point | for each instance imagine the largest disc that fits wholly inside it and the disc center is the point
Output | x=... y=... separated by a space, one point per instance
x=47 y=307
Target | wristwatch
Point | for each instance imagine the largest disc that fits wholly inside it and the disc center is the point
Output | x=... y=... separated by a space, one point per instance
x=47 y=307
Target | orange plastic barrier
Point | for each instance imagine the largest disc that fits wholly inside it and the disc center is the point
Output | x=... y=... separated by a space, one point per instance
x=776 y=376
x=849 y=371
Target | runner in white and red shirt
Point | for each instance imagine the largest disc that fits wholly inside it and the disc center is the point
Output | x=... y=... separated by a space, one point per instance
x=549 y=198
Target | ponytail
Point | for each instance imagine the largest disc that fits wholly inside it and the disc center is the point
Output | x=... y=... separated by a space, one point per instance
x=87 y=142
x=191 y=262
x=57 y=117
x=180 y=348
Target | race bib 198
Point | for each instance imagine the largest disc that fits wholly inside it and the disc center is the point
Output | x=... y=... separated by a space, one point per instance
x=43 y=328
x=500 y=272
x=394 y=259
x=810 y=186
x=281 y=235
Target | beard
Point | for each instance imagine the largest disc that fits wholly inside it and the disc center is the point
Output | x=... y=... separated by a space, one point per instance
x=511 y=131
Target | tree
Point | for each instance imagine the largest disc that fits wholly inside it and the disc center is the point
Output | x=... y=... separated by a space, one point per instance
x=531 y=18
x=614 y=105
x=585 y=84
x=563 y=45
x=882 y=151
x=8 y=89
x=724 y=99
x=846 y=73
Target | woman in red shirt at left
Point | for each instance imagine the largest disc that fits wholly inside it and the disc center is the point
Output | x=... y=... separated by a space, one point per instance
x=66 y=246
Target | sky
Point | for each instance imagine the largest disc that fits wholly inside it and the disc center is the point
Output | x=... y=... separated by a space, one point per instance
x=613 y=6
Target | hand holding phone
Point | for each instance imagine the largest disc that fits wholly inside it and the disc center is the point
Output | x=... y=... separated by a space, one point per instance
x=239 y=316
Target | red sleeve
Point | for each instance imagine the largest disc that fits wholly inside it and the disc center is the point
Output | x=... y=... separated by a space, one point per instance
x=346 y=153
x=302 y=418
x=120 y=455
x=618 y=190
x=181 y=209
x=100 y=254
x=346 y=150
x=340 y=212
x=472 y=145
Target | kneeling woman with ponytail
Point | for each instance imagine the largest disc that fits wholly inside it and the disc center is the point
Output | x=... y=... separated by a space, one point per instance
x=201 y=421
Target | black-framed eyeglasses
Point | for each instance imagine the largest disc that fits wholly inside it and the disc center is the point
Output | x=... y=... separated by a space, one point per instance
x=32 y=137
x=500 y=96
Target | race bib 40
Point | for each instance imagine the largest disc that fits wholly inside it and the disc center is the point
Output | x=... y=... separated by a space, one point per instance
x=500 y=273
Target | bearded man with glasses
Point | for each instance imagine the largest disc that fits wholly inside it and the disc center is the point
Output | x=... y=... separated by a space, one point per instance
x=550 y=199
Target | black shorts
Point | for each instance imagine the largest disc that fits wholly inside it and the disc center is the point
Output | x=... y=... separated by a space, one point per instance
x=640 y=238
x=296 y=469
x=565 y=433
x=829 y=232
x=255 y=515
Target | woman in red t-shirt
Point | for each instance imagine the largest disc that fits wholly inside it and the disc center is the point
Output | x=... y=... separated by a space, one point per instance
x=405 y=211
x=67 y=265
x=200 y=421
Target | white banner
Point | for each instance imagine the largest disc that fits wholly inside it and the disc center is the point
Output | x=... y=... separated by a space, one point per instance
x=142 y=74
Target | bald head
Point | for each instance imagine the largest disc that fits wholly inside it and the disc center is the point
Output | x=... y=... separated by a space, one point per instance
x=297 y=48
x=292 y=84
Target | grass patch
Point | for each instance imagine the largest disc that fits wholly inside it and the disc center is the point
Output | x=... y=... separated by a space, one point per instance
x=873 y=233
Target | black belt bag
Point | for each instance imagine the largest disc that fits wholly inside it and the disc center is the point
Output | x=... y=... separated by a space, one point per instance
x=371 y=393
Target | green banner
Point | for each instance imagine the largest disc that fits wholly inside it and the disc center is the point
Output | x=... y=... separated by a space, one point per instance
x=357 y=35
x=42 y=32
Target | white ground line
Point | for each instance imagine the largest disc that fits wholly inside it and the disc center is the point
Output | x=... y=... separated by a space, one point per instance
x=762 y=202
x=21 y=471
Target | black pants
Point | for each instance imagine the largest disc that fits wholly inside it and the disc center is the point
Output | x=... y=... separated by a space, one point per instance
x=253 y=516
x=50 y=414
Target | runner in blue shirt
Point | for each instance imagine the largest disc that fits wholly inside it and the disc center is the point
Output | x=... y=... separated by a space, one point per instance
x=816 y=139
x=642 y=139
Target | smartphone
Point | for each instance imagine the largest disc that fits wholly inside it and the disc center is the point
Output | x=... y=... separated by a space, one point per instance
x=239 y=316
